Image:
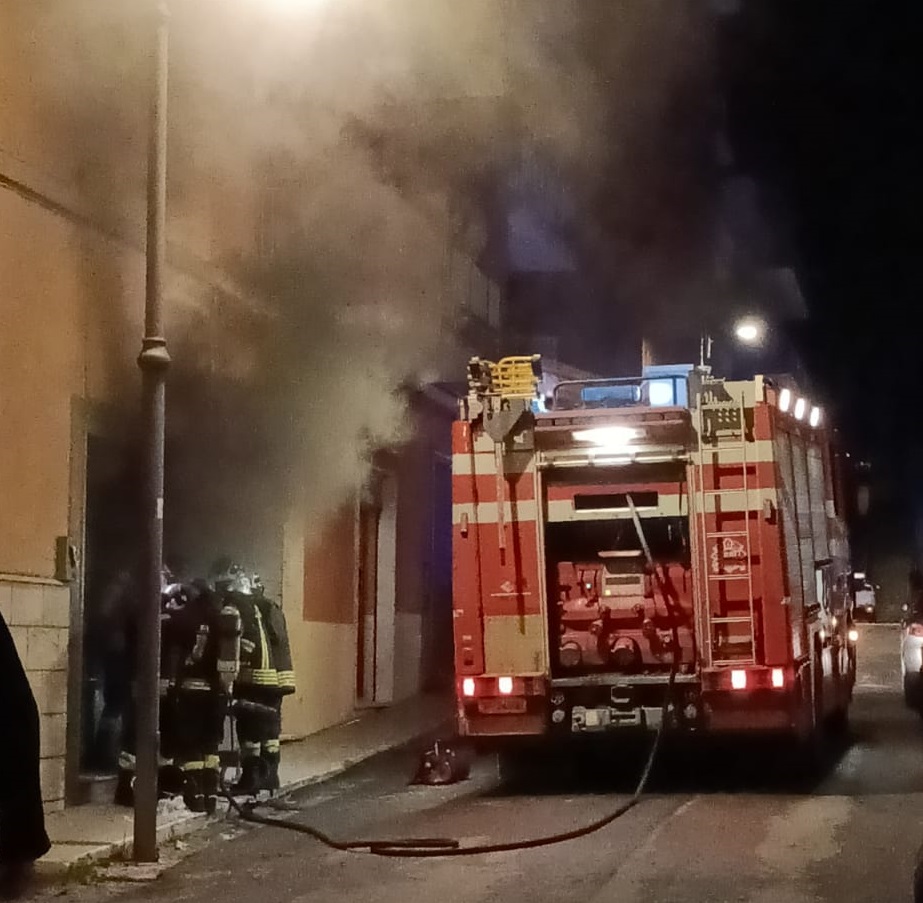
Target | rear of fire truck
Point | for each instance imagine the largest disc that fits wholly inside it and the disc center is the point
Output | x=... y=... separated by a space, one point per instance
x=670 y=545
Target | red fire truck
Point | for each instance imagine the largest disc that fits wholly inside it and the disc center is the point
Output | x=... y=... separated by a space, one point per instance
x=623 y=537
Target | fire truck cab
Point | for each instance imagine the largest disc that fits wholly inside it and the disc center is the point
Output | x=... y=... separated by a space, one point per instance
x=675 y=530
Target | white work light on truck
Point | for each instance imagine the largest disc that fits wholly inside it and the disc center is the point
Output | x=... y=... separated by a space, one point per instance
x=800 y=407
x=505 y=685
x=660 y=392
x=739 y=680
x=785 y=400
x=468 y=686
x=814 y=419
x=608 y=437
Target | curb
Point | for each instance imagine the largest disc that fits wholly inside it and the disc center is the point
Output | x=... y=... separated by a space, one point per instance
x=301 y=783
x=186 y=823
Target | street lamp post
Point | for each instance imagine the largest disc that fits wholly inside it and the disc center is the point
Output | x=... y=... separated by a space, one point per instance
x=154 y=361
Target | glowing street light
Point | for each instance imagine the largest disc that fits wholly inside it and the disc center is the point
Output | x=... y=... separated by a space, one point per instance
x=750 y=331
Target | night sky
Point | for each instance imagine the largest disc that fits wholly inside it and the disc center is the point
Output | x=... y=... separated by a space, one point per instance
x=824 y=108
x=823 y=99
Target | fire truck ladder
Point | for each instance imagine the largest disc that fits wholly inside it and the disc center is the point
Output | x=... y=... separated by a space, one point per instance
x=726 y=424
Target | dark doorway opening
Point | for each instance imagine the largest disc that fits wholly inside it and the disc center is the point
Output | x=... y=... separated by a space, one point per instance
x=111 y=544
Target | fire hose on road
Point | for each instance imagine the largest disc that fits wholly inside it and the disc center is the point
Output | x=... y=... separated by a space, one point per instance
x=431 y=848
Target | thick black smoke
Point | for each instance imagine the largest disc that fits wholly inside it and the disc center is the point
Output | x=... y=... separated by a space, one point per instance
x=322 y=155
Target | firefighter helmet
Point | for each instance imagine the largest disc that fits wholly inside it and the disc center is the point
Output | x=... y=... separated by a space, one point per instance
x=234 y=580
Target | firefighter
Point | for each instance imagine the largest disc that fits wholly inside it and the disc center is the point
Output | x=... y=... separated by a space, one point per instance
x=108 y=657
x=169 y=783
x=280 y=651
x=203 y=661
x=256 y=689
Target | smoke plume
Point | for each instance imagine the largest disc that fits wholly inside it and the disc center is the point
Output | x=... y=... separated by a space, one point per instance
x=329 y=163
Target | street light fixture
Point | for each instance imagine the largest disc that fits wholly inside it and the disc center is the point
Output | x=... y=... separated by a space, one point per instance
x=750 y=331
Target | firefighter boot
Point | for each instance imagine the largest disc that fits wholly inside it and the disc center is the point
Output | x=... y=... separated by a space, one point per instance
x=270 y=762
x=125 y=788
x=250 y=783
x=106 y=746
x=210 y=783
x=170 y=781
x=194 y=791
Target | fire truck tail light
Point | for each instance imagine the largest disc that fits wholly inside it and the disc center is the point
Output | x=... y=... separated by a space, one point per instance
x=468 y=686
x=778 y=678
x=739 y=680
x=505 y=685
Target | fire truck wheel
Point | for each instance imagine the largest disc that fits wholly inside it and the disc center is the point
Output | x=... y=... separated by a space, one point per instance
x=529 y=767
x=839 y=721
x=812 y=747
x=912 y=692
x=918 y=879
x=817 y=691
x=512 y=767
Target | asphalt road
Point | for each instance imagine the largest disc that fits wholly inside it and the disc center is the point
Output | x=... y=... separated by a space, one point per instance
x=718 y=825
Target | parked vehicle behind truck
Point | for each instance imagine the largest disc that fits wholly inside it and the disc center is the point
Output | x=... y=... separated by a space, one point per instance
x=672 y=531
x=865 y=595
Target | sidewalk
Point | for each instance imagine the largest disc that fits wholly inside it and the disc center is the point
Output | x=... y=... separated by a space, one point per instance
x=94 y=832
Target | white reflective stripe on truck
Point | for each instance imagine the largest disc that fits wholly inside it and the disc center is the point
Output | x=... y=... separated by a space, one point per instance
x=486 y=464
x=758 y=452
x=676 y=505
x=486 y=512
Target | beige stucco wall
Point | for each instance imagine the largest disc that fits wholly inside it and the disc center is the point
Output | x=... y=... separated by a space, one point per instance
x=54 y=347
x=320 y=586
x=323 y=651
x=39 y=370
